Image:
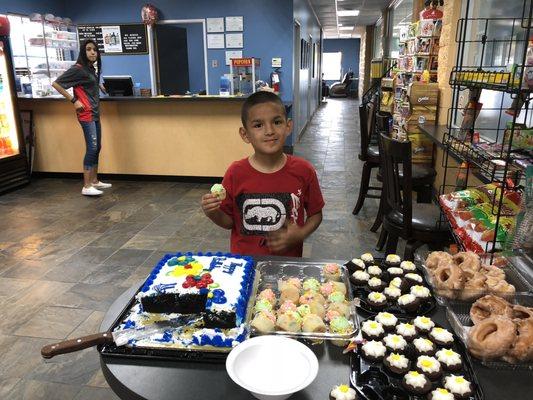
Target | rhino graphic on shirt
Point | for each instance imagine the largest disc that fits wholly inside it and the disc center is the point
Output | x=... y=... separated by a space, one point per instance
x=269 y=214
x=263 y=212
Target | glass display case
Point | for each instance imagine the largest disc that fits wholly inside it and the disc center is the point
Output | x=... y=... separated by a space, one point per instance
x=245 y=72
x=43 y=48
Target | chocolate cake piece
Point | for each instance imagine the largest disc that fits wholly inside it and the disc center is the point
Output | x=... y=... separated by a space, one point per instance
x=219 y=319
x=188 y=303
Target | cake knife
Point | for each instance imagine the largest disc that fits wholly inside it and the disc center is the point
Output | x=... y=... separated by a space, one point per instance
x=119 y=338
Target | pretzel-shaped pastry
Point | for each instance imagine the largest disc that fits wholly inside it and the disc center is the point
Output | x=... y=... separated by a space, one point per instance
x=468 y=261
x=448 y=278
x=491 y=338
x=490 y=306
x=520 y=312
x=436 y=258
x=522 y=348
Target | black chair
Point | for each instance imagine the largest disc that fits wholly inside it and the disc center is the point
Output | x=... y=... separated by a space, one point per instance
x=369 y=154
x=419 y=225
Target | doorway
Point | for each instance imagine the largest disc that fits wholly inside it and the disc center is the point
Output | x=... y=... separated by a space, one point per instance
x=296 y=81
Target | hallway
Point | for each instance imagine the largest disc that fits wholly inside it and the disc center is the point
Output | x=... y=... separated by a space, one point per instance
x=65 y=258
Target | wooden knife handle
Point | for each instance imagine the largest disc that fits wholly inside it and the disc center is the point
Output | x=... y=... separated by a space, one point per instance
x=69 y=346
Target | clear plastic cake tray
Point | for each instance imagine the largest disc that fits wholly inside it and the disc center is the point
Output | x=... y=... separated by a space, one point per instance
x=271 y=272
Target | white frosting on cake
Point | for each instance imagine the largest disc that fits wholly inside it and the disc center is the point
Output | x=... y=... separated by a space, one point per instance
x=441 y=334
x=395 y=271
x=448 y=357
x=374 y=282
x=367 y=257
x=457 y=384
x=374 y=270
x=343 y=392
x=424 y=323
x=393 y=258
x=374 y=349
x=397 y=360
x=415 y=379
x=361 y=276
x=396 y=282
x=406 y=329
x=423 y=345
x=406 y=299
x=441 y=394
x=395 y=342
x=420 y=291
x=372 y=328
x=360 y=263
x=377 y=297
x=408 y=266
x=414 y=277
x=392 y=291
x=428 y=364
x=386 y=318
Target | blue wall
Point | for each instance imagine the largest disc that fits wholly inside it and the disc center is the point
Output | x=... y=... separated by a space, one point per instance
x=56 y=7
x=350 y=53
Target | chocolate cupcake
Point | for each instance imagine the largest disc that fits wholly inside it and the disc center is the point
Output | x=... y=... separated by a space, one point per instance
x=396 y=363
x=458 y=386
x=395 y=342
x=377 y=300
x=408 y=266
x=360 y=278
x=373 y=351
x=392 y=293
x=423 y=324
x=407 y=330
x=393 y=260
x=376 y=284
x=343 y=392
x=374 y=270
x=386 y=319
x=440 y=394
x=356 y=264
x=372 y=330
x=429 y=366
x=424 y=347
x=399 y=283
x=395 y=272
x=416 y=383
x=441 y=336
x=368 y=259
x=449 y=359
x=421 y=292
x=408 y=302
x=412 y=279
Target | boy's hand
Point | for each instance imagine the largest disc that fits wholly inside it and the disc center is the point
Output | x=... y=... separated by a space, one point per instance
x=210 y=204
x=285 y=238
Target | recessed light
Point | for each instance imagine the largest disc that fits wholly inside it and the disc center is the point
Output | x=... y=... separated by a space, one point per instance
x=346 y=28
x=348 y=13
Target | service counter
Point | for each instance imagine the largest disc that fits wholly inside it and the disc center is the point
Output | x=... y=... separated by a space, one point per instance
x=175 y=136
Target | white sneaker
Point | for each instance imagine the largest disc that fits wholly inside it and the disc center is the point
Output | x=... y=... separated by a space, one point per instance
x=102 y=185
x=91 y=191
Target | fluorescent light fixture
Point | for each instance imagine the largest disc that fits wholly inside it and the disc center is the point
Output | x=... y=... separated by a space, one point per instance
x=346 y=28
x=348 y=13
x=345 y=35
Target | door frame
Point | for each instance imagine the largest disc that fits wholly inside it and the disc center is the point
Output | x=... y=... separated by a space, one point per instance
x=152 y=53
x=296 y=60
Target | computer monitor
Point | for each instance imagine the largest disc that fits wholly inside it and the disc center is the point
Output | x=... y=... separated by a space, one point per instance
x=119 y=85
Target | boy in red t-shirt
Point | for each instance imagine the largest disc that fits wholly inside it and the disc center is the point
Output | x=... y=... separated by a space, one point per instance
x=268 y=192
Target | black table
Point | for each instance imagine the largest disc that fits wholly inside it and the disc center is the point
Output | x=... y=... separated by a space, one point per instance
x=161 y=380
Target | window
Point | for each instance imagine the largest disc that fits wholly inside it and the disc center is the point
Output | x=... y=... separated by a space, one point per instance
x=331 y=66
x=377 y=45
x=399 y=15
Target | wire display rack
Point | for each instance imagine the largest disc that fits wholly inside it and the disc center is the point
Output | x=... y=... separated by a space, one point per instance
x=491 y=64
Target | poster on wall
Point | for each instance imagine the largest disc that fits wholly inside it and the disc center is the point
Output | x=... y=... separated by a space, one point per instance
x=234 y=24
x=234 y=41
x=232 y=54
x=116 y=39
x=215 y=25
x=215 y=41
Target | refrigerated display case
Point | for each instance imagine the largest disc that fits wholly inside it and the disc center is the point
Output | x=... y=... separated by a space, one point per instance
x=43 y=48
x=13 y=163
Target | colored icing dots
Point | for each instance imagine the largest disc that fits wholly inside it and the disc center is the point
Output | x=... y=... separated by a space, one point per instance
x=197 y=281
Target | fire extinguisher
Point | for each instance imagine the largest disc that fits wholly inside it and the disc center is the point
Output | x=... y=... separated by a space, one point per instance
x=275 y=81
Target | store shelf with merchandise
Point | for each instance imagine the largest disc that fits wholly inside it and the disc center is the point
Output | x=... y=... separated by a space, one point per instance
x=487 y=131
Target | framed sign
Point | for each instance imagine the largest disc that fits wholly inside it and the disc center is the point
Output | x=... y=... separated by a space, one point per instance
x=215 y=25
x=234 y=40
x=234 y=24
x=117 y=39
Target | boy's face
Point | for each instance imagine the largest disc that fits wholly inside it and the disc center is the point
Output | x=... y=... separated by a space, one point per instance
x=266 y=128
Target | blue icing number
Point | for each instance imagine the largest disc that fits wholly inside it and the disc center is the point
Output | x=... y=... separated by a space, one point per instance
x=219 y=296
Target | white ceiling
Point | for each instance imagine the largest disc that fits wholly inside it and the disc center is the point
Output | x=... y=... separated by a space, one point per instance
x=369 y=13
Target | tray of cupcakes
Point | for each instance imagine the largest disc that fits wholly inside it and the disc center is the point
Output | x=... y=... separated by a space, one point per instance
x=390 y=283
x=496 y=331
x=467 y=276
x=399 y=358
x=306 y=300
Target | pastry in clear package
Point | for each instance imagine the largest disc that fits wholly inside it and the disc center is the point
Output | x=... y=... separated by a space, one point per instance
x=489 y=306
x=264 y=322
x=491 y=338
x=289 y=292
x=312 y=323
x=289 y=322
x=438 y=258
x=332 y=272
x=317 y=308
x=522 y=348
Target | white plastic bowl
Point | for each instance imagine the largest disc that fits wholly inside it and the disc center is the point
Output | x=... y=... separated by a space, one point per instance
x=272 y=367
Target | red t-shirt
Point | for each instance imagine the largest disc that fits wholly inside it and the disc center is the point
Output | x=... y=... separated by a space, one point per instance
x=261 y=202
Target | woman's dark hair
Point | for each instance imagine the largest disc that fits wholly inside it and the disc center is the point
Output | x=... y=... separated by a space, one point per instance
x=83 y=60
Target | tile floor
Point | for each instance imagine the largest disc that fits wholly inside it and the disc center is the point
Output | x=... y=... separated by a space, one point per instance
x=65 y=258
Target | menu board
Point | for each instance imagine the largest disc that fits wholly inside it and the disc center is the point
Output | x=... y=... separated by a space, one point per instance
x=116 y=39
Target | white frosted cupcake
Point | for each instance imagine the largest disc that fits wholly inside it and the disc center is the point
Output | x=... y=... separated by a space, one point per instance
x=368 y=259
x=407 y=330
x=360 y=277
x=440 y=394
x=441 y=336
x=429 y=366
x=450 y=360
x=374 y=270
x=396 y=363
x=386 y=319
x=395 y=342
x=358 y=264
x=395 y=272
x=396 y=282
x=372 y=330
x=421 y=292
x=408 y=266
x=408 y=302
x=392 y=292
x=376 y=300
x=376 y=284
x=343 y=392
x=417 y=383
x=458 y=386
x=423 y=324
x=413 y=279
x=373 y=351
x=424 y=346
x=393 y=260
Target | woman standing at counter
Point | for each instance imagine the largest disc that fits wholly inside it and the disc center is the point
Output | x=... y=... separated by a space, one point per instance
x=84 y=77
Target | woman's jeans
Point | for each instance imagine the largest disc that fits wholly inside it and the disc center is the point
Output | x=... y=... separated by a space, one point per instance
x=93 y=142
